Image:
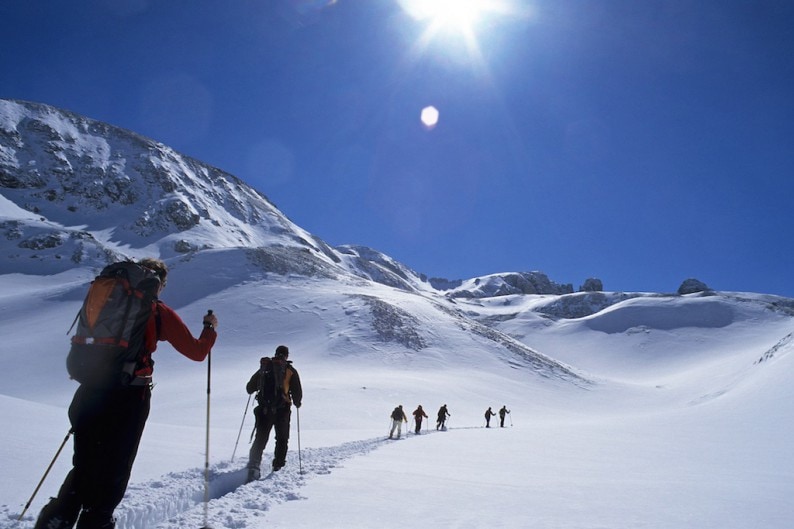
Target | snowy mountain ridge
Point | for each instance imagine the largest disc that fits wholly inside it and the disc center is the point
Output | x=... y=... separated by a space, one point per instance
x=99 y=191
x=86 y=192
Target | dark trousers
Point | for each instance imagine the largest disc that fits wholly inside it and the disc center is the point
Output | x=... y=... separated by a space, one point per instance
x=267 y=420
x=107 y=425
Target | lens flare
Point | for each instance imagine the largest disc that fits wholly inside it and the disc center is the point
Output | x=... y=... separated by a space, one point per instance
x=429 y=116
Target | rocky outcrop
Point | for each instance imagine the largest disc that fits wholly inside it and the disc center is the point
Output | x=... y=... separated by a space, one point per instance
x=692 y=286
x=592 y=285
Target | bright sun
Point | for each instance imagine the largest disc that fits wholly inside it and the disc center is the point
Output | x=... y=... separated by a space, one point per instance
x=455 y=15
x=461 y=15
x=454 y=21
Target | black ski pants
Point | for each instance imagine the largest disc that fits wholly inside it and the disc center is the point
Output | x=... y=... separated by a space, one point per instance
x=107 y=425
x=266 y=420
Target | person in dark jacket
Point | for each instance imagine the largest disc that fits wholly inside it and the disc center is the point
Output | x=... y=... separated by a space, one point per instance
x=108 y=423
x=418 y=414
x=397 y=419
x=488 y=414
x=502 y=412
x=442 y=417
x=274 y=408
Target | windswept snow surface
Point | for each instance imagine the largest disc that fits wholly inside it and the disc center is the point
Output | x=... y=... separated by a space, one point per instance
x=679 y=414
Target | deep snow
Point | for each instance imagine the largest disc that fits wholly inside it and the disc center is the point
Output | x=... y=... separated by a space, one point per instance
x=673 y=422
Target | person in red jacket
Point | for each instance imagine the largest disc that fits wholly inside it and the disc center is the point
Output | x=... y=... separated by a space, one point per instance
x=108 y=423
x=418 y=414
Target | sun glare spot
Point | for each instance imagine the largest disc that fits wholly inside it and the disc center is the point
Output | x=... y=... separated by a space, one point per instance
x=429 y=116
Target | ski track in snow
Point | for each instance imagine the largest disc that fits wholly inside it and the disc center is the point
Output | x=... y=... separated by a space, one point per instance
x=176 y=500
x=233 y=503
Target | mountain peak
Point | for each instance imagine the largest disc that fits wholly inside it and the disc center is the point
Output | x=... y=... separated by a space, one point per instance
x=84 y=180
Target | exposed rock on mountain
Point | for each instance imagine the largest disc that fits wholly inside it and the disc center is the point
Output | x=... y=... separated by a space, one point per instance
x=692 y=286
x=592 y=285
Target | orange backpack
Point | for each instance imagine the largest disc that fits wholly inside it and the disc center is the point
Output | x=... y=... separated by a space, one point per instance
x=109 y=340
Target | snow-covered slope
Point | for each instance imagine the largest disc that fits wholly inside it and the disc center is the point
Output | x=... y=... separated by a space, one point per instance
x=663 y=421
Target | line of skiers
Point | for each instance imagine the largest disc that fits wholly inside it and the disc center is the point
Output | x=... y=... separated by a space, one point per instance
x=398 y=417
x=502 y=413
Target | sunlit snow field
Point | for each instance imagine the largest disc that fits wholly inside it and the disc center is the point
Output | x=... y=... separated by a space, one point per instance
x=670 y=425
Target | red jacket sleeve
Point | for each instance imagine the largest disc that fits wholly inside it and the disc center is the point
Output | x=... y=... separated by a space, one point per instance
x=174 y=331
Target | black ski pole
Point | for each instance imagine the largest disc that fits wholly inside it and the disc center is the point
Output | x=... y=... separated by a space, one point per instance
x=241 y=427
x=46 y=472
x=300 y=463
x=207 y=440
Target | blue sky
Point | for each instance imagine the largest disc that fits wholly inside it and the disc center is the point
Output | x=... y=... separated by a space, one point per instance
x=638 y=142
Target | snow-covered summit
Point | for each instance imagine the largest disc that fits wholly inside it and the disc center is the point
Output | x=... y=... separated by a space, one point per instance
x=83 y=191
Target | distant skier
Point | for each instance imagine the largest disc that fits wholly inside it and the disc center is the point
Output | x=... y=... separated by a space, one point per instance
x=488 y=414
x=442 y=417
x=397 y=419
x=418 y=414
x=504 y=411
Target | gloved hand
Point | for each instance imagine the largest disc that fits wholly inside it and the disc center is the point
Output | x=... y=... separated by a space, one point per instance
x=210 y=320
